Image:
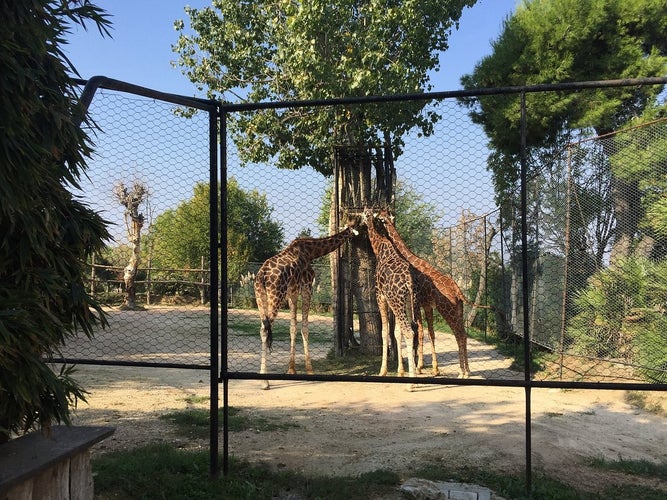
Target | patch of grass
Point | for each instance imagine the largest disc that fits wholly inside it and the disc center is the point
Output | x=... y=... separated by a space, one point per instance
x=632 y=467
x=244 y=328
x=194 y=399
x=643 y=401
x=513 y=348
x=513 y=485
x=163 y=471
x=194 y=423
x=508 y=485
x=160 y=471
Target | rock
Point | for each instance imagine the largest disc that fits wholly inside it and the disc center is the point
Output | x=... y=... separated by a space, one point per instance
x=423 y=489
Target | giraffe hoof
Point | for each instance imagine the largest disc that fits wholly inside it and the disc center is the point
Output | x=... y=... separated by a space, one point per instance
x=291 y=371
x=435 y=372
x=383 y=373
x=266 y=386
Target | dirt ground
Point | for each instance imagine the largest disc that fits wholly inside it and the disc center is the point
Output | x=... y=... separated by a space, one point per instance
x=350 y=428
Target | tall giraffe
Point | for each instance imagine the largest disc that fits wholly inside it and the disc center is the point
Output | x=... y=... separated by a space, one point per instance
x=394 y=283
x=436 y=289
x=289 y=274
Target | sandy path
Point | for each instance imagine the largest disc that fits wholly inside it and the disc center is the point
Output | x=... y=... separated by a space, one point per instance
x=348 y=428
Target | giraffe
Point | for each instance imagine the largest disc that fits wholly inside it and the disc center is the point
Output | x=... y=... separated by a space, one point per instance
x=394 y=283
x=289 y=274
x=435 y=290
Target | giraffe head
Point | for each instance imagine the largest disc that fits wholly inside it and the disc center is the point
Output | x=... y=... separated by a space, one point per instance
x=367 y=216
x=386 y=216
x=351 y=223
x=369 y=219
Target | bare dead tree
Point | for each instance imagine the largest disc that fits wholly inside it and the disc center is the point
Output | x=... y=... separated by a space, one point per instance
x=131 y=199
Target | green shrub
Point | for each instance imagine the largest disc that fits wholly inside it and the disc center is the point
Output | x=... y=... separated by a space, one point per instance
x=46 y=232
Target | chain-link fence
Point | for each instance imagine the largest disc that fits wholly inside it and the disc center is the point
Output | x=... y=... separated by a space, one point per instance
x=594 y=250
x=596 y=265
x=462 y=213
x=150 y=158
x=559 y=242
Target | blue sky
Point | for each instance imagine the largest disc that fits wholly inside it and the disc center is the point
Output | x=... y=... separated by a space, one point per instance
x=143 y=32
x=139 y=52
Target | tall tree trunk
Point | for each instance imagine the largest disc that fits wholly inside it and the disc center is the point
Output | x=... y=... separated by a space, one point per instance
x=130 y=271
x=354 y=191
x=627 y=206
x=481 y=289
x=134 y=221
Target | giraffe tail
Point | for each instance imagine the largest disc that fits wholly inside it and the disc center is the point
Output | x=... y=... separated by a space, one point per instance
x=269 y=333
x=413 y=313
x=262 y=304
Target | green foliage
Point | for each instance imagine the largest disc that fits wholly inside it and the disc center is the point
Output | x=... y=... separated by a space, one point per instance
x=548 y=41
x=179 y=238
x=46 y=233
x=551 y=41
x=633 y=467
x=621 y=315
x=640 y=156
x=266 y=50
x=414 y=217
x=160 y=471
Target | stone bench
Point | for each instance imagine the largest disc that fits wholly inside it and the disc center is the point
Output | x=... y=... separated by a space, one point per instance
x=57 y=467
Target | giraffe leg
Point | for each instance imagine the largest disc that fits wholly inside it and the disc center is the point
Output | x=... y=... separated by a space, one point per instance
x=400 y=370
x=404 y=334
x=306 y=294
x=382 y=306
x=266 y=323
x=431 y=333
x=265 y=347
x=419 y=340
x=292 y=301
x=409 y=335
x=462 y=341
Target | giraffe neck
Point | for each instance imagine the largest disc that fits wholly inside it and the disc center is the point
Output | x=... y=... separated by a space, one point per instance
x=403 y=249
x=313 y=248
x=379 y=243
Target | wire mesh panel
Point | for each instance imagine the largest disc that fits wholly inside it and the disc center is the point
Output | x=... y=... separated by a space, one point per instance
x=443 y=201
x=149 y=178
x=596 y=268
x=458 y=205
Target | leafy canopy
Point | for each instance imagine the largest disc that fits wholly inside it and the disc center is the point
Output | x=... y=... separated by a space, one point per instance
x=552 y=41
x=180 y=237
x=283 y=50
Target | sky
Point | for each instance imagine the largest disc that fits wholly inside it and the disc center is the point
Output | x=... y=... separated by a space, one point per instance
x=139 y=52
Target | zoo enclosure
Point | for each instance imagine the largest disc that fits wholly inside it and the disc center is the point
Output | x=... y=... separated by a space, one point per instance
x=139 y=135
x=452 y=161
